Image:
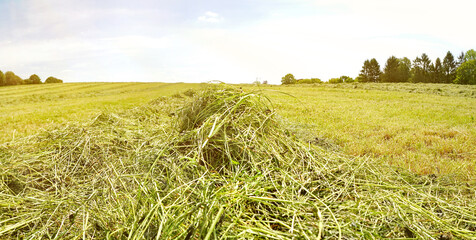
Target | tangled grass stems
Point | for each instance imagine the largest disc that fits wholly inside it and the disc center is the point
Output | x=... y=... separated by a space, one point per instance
x=220 y=167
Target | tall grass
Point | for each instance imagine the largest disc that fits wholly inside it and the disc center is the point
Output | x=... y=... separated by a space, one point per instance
x=217 y=165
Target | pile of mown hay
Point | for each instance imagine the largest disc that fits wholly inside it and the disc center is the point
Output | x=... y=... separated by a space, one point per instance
x=226 y=129
x=216 y=165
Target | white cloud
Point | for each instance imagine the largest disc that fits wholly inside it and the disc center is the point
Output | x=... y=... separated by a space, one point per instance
x=76 y=59
x=96 y=41
x=329 y=45
x=210 y=17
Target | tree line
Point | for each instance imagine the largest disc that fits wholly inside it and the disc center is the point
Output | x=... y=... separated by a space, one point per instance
x=9 y=78
x=421 y=70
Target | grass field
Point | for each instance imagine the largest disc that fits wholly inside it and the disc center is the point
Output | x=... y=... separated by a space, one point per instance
x=423 y=132
x=26 y=109
x=150 y=161
x=454 y=90
x=419 y=130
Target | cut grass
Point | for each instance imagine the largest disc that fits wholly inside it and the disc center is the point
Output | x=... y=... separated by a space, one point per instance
x=453 y=90
x=228 y=169
x=26 y=109
x=422 y=132
x=425 y=133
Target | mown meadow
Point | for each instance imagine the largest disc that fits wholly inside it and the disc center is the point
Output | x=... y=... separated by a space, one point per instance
x=426 y=128
x=25 y=109
x=196 y=161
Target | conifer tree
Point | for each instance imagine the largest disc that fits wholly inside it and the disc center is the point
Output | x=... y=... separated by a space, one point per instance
x=449 y=68
x=370 y=71
x=438 y=75
x=390 y=72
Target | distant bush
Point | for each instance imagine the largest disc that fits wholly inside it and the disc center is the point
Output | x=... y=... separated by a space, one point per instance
x=466 y=73
x=341 y=79
x=288 y=79
x=347 y=79
x=34 y=79
x=53 y=80
x=10 y=78
x=2 y=79
x=336 y=80
x=308 y=81
x=26 y=81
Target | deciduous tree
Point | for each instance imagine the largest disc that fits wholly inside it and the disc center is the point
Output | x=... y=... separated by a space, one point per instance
x=470 y=55
x=404 y=69
x=288 y=79
x=336 y=80
x=346 y=79
x=2 y=79
x=466 y=72
x=53 y=80
x=34 y=79
x=308 y=80
x=12 y=79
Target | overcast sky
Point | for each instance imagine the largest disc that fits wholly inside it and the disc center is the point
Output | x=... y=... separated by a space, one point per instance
x=235 y=41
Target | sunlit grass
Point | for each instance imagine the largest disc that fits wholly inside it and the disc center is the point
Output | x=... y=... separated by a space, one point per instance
x=219 y=165
x=426 y=133
x=408 y=125
x=26 y=109
x=440 y=89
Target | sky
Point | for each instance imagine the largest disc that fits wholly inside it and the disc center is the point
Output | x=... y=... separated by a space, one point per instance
x=234 y=41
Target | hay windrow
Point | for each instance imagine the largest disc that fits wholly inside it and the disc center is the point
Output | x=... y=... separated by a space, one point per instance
x=227 y=127
x=217 y=164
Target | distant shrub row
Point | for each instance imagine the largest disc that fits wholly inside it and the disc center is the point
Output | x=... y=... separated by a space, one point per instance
x=421 y=70
x=10 y=78
x=289 y=79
